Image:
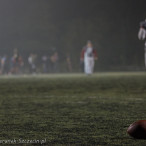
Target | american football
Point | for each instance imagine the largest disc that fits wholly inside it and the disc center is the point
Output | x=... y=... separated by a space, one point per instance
x=137 y=130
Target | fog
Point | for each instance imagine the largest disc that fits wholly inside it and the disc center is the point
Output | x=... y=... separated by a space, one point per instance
x=43 y=28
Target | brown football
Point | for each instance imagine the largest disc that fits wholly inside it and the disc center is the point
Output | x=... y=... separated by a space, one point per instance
x=138 y=129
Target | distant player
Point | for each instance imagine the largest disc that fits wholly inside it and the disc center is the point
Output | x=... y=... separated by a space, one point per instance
x=142 y=35
x=32 y=62
x=88 y=56
x=16 y=63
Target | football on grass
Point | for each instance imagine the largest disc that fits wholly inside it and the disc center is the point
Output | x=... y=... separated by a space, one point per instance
x=137 y=130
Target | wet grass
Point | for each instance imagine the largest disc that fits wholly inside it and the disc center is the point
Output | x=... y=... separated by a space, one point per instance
x=72 y=109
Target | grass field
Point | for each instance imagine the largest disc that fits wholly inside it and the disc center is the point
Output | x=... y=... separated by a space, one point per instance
x=72 y=109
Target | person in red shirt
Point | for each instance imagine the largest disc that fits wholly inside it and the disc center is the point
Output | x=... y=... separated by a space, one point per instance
x=88 y=56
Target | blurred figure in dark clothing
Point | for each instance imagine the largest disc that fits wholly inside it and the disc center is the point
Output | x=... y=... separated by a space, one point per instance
x=54 y=63
x=69 y=63
x=4 y=65
x=16 y=63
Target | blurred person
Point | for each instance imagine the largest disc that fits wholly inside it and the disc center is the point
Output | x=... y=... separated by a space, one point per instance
x=69 y=63
x=4 y=64
x=54 y=67
x=32 y=62
x=21 y=64
x=88 y=56
x=142 y=36
x=16 y=62
x=44 y=63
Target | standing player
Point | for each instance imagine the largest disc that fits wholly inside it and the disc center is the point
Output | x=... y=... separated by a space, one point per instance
x=16 y=63
x=142 y=35
x=88 y=56
x=32 y=62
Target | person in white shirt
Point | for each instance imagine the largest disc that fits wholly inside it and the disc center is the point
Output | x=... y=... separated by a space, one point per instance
x=88 y=56
x=142 y=36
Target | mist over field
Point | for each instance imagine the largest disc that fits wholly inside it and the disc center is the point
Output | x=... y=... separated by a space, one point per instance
x=41 y=26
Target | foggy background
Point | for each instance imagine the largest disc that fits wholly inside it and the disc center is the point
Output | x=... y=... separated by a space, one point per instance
x=40 y=26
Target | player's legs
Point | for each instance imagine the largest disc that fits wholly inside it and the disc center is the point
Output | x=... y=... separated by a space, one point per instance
x=89 y=65
x=86 y=66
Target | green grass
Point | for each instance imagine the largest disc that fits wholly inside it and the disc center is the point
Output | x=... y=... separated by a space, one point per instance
x=73 y=109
